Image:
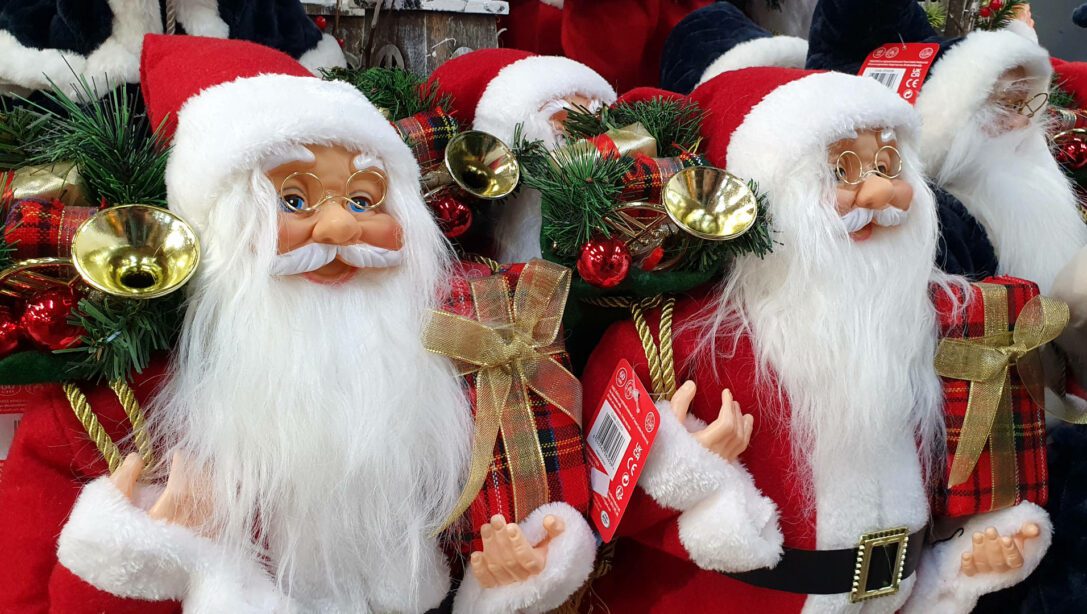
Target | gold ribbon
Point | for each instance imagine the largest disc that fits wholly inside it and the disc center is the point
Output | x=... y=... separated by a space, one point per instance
x=987 y=362
x=60 y=180
x=511 y=350
x=614 y=143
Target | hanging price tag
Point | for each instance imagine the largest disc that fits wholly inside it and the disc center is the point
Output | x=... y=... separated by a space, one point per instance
x=14 y=402
x=619 y=441
x=901 y=67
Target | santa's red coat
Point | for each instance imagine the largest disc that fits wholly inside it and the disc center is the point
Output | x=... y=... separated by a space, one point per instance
x=50 y=461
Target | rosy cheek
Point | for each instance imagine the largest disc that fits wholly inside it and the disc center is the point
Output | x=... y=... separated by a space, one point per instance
x=291 y=234
x=903 y=194
x=844 y=200
x=382 y=230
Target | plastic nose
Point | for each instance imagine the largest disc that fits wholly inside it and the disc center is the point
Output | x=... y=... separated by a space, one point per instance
x=334 y=225
x=875 y=193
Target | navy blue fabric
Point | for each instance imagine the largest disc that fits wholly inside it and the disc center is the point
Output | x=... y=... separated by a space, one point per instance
x=79 y=26
x=1079 y=16
x=282 y=24
x=700 y=38
x=844 y=32
x=964 y=247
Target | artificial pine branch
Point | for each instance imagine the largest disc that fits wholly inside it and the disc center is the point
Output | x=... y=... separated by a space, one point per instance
x=20 y=128
x=704 y=255
x=398 y=91
x=1060 y=97
x=119 y=155
x=121 y=335
x=998 y=18
x=936 y=13
x=675 y=124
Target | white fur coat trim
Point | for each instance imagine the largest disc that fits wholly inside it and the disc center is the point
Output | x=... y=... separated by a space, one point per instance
x=525 y=86
x=781 y=51
x=941 y=588
x=726 y=523
x=570 y=558
x=327 y=54
x=201 y=18
x=962 y=80
x=116 y=547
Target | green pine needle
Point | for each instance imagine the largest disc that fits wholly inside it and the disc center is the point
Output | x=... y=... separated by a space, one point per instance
x=1000 y=18
x=711 y=255
x=20 y=128
x=1060 y=97
x=399 y=92
x=676 y=125
x=936 y=14
x=118 y=153
x=121 y=335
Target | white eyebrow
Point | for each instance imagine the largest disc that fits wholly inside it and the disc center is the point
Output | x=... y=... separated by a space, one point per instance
x=364 y=161
x=291 y=153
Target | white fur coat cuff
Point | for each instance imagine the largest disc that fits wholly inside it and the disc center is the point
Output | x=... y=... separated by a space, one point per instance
x=727 y=524
x=570 y=558
x=941 y=588
x=116 y=547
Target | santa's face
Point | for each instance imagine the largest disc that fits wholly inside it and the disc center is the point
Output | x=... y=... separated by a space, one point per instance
x=1015 y=100
x=871 y=195
x=560 y=109
x=331 y=222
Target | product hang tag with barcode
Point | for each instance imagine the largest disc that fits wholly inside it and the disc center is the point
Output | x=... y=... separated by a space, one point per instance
x=619 y=441
x=901 y=67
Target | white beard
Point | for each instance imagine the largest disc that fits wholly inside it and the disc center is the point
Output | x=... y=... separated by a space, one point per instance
x=519 y=220
x=335 y=443
x=1014 y=187
x=847 y=330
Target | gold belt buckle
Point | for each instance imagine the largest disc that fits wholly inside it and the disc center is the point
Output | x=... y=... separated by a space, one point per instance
x=868 y=543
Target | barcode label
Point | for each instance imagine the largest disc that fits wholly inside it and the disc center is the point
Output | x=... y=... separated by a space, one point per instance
x=8 y=424
x=609 y=439
x=890 y=77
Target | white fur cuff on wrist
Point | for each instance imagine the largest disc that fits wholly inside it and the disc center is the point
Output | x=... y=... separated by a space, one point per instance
x=940 y=586
x=679 y=472
x=570 y=558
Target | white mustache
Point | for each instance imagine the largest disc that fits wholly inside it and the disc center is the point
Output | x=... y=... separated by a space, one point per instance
x=316 y=255
x=860 y=217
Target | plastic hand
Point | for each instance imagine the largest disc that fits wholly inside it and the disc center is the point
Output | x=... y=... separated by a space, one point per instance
x=1022 y=13
x=178 y=504
x=992 y=553
x=507 y=556
x=728 y=435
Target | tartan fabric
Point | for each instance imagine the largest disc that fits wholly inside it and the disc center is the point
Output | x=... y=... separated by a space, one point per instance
x=645 y=180
x=975 y=495
x=427 y=134
x=560 y=438
x=43 y=228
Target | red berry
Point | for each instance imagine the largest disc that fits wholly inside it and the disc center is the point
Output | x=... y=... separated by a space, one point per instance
x=985 y=12
x=341 y=41
x=996 y=5
x=321 y=22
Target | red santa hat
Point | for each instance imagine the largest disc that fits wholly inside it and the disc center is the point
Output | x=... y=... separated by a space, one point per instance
x=228 y=105
x=760 y=121
x=1072 y=78
x=493 y=90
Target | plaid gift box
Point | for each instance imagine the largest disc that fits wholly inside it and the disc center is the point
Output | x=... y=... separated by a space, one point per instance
x=43 y=228
x=996 y=455
x=646 y=178
x=555 y=447
x=427 y=134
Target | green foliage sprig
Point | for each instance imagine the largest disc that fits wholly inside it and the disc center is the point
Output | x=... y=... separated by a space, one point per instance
x=20 y=128
x=997 y=18
x=401 y=93
x=675 y=124
x=936 y=13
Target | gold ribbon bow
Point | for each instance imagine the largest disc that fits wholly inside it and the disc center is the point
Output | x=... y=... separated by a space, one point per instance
x=987 y=362
x=511 y=350
x=60 y=180
x=617 y=142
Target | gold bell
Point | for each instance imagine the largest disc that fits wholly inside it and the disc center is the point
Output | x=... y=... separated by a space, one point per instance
x=480 y=164
x=135 y=251
x=710 y=203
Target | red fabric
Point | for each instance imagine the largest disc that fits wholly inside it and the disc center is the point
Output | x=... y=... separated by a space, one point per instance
x=651 y=570
x=532 y=26
x=976 y=494
x=562 y=446
x=40 y=229
x=643 y=94
x=465 y=78
x=729 y=97
x=50 y=461
x=1072 y=77
x=622 y=40
x=173 y=69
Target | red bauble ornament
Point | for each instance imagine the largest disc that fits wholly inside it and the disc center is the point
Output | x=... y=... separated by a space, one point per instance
x=996 y=5
x=10 y=333
x=341 y=42
x=604 y=263
x=985 y=12
x=653 y=259
x=45 y=320
x=1073 y=154
x=320 y=22
x=453 y=216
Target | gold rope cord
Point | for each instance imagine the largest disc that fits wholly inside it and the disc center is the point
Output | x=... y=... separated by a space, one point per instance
x=128 y=401
x=649 y=345
x=668 y=361
x=86 y=417
x=610 y=302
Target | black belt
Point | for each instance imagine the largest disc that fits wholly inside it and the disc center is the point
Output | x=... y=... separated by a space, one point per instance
x=873 y=569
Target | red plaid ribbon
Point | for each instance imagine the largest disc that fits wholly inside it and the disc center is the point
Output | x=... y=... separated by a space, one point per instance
x=975 y=495
x=560 y=438
x=645 y=180
x=427 y=134
x=40 y=228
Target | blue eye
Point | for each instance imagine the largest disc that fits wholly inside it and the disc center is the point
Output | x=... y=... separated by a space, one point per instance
x=292 y=202
x=360 y=204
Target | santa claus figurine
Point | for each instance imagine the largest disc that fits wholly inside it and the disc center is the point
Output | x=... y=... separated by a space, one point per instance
x=305 y=446
x=499 y=91
x=790 y=471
